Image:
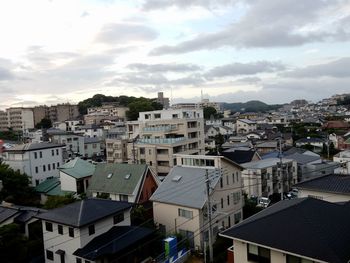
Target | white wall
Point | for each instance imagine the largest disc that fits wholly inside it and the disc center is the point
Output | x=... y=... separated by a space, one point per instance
x=68 y=183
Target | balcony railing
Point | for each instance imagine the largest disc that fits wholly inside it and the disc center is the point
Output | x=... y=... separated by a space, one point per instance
x=166 y=128
x=161 y=140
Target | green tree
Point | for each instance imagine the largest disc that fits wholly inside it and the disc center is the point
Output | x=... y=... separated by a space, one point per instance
x=140 y=105
x=12 y=244
x=59 y=201
x=45 y=123
x=16 y=187
x=208 y=112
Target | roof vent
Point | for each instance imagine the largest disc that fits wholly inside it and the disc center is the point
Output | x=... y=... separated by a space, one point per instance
x=109 y=176
x=176 y=178
x=127 y=176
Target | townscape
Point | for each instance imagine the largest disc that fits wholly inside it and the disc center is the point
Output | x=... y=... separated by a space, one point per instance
x=124 y=179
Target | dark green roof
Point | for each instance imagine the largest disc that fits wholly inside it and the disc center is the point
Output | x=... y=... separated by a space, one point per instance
x=47 y=185
x=117 y=178
x=78 y=168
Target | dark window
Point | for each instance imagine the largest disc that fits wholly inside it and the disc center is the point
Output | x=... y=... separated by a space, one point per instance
x=49 y=254
x=36 y=169
x=58 y=165
x=78 y=260
x=258 y=254
x=52 y=152
x=35 y=155
x=221 y=183
x=44 y=168
x=228 y=200
x=71 y=232
x=48 y=226
x=118 y=218
x=222 y=203
x=60 y=229
x=53 y=166
x=294 y=259
x=57 y=152
x=91 y=230
x=227 y=180
x=36 y=182
x=49 y=167
x=41 y=154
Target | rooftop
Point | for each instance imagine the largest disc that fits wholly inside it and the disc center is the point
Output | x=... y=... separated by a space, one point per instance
x=84 y=212
x=307 y=229
x=34 y=146
x=264 y=163
x=78 y=168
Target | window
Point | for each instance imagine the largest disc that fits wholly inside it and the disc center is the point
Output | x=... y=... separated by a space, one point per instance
x=49 y=254
x=58 y=165
x=237 y=175
x=118 y=218
x=36 y=182
x=57 y=152
x=123 y=198
x=78 y=260
x=71 y=231
x=258 y=254
x=149 y=151
x=36 y=169
x=60 y=229
x=227 y=181
x=48 y=226
x=185 y=213
x=222 y=203
x=53 y=166
x=49 y=167
x=236 y=197
x=238 y=217
x=91 y=230
x=36 y=155
x=52 y=152
x=94 y=145
x=228 y=200
x=221 y=183
x=233 y=177
x=294 y=259
x=44 y=168
x=41 y=154
x=142 y=150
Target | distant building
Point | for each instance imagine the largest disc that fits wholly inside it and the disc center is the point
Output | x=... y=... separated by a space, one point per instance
x=162 y=100
x=56 y=113
x=37 y=160
x=17 y=119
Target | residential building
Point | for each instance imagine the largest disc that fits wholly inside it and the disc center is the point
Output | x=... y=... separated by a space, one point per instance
x=74 y=143
x=92 y=147
x=342 y=157
x=316 y=143
x=206 y=103
x=158 y=135
x=269 y=176
x=90 y=130
x=162 y=100
x=117 y=150
x=91 y=230
x=244 y=126
x=241 y=156
x=134 y=183
x=75 y=175
x=180 y=202
x=37 y=160
x=17 y=119
x=51 y=187
x=332 y=188
x=109 y=109
x=56 y=113
x=298 y=230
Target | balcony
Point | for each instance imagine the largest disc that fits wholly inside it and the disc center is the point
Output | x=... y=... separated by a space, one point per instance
x=167 y=128
x=161 y=140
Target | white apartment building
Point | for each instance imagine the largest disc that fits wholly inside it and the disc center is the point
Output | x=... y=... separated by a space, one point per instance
x=157 y=135
x=18 y=119
x=180 y=202
x=37 y=160
x=265 y=177
x=109 y=110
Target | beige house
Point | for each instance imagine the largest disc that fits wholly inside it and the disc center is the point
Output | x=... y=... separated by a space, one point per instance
x=332 y=188
x=180 y=202
x=304 y=230
x=244 y=126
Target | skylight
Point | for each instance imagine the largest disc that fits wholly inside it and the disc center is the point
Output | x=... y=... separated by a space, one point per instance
x=109 y=176
x=176 y=178
x=127 y=176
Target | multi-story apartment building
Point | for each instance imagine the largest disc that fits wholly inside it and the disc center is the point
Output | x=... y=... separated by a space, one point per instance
x=162 y=100
x=109 y=110
x=269 y=176
x=18 y=119
x=180 y=204
x=158 y=135
x=56 y=113
x=117 y=150
x=37 y=160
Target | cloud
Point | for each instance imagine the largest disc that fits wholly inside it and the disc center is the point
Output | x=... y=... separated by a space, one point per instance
x=5 y=74
x=337 y=69
x=121 y=33
x=161 y=4
x=272 y=23
x=252 y=68
x=164 y=67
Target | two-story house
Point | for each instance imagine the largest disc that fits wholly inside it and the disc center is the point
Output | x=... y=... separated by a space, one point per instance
x=37 y=160
x=134 y=183
x=180 y=204
x=91 y=230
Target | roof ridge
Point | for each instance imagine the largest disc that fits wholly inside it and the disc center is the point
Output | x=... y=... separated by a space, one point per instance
x=80 y=211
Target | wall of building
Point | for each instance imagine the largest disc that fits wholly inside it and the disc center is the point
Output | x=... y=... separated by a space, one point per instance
x=326 y=196
x=68 y=183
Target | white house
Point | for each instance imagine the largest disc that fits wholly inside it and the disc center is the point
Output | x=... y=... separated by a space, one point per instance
x=89 y=231
x=37 y=160
x=244 y=126
x=180 y=202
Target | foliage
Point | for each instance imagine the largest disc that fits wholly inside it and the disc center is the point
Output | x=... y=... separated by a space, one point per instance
x=250 y=207
x=59 y=201
x=208 y=112
x=10 y=135
x=16 y=187
x=251 y=106
x=44 y=124
x=220 y=249
x=141 y=216
x=345 y=101
x=332 y=150
x=140 y=105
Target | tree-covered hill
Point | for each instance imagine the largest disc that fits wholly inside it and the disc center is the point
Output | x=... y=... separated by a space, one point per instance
x=250 y=106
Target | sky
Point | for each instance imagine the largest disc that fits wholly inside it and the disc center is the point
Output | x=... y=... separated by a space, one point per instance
x=58 y=51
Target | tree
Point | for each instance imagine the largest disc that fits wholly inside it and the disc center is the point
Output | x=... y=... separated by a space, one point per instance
x=12 y=244
x=140 y=105
x=44 y=124
x=208 y=112
x=16 y=187
x=59 y=201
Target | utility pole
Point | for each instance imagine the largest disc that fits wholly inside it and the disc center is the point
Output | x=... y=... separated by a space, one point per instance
x=209 y=217
x=281 y=167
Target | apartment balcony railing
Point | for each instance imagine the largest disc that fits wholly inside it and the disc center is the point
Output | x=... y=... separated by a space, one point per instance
x=161 y=140
x=166 y=128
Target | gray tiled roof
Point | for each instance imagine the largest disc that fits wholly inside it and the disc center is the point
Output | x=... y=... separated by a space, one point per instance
x=6 y=213
x=34 y=146
x=84 y=212
x=189 y=191
x=303 y=158
x=300 y=226
x=334 y=183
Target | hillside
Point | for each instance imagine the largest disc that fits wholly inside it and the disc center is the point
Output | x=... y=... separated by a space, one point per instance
x=250 y=106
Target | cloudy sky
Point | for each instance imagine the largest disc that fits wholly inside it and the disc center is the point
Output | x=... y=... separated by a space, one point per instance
x=233 y=50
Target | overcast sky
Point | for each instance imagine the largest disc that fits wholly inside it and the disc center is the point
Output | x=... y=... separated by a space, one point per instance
x=233 y=50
